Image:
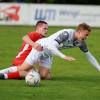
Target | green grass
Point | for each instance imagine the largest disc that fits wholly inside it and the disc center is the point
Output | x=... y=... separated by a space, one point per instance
x=77 y=80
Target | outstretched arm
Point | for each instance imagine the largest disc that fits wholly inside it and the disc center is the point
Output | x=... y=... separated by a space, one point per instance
x=92 y=60
x=89 y=56
x=53 y=48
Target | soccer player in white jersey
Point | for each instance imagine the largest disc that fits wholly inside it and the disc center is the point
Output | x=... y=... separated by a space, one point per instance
x=66 y=38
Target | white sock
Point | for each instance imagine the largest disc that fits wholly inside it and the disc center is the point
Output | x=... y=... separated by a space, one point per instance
x=9 y=70
x=5 y=76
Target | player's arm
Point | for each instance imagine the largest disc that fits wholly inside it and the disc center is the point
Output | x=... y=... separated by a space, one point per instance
x=90 y=57
x=53 y=48
x=63 y=36
x=28 y=40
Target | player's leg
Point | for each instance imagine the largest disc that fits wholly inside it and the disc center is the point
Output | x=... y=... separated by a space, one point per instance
x=9 y=73
x=9 y=70
x=13 y=74
x=44 y=73
x=24 y=69
x=21 y=72
x=31 y=59
x=45 y=68
x=16 y=75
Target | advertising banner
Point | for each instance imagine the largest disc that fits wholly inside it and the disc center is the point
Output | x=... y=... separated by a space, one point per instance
x=55 y=15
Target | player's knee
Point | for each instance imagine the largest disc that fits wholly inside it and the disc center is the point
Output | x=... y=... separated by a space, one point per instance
x=45 y=75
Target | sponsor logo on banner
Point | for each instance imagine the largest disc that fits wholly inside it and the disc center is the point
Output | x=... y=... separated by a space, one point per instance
x=10 y=13
x=71 y=13
x=45 y=14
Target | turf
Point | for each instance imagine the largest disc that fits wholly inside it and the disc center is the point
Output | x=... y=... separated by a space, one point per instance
x=77 y=80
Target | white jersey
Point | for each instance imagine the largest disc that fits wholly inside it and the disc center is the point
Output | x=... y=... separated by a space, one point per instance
x=51 y=45
x=61 y=39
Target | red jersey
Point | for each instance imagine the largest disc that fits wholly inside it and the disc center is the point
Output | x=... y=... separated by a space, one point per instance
x=26 y=48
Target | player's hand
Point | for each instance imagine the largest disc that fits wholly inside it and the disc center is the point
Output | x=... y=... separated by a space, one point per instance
x=69 y=58
x=38 y=47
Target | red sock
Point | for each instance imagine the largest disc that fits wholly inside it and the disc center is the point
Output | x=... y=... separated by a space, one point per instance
x=14 y=75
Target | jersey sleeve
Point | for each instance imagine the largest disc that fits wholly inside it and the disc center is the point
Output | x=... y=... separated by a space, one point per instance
x=54 y=49
x=92 y=60
x=62 y=37
x=83 y=47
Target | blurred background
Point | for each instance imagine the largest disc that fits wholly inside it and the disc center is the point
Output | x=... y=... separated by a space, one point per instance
x=89 y=2
x=55 y=12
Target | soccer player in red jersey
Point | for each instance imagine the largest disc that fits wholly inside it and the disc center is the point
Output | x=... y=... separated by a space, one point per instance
x=41 y=30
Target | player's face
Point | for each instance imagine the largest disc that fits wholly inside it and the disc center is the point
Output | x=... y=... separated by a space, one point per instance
x=82 y=35
x=43 y=29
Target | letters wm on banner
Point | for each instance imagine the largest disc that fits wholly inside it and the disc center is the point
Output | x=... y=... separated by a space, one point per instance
x=55 y=15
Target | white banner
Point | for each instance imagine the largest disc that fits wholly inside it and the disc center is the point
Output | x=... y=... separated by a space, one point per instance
x=56 y=15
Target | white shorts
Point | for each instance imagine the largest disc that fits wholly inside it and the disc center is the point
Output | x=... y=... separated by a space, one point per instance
x=43 y=58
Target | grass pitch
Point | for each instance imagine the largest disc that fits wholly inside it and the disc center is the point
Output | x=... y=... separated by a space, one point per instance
x=77 y=80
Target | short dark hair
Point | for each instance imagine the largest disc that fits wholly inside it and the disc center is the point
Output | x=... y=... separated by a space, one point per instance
x=83 y=26
x=40 y=22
